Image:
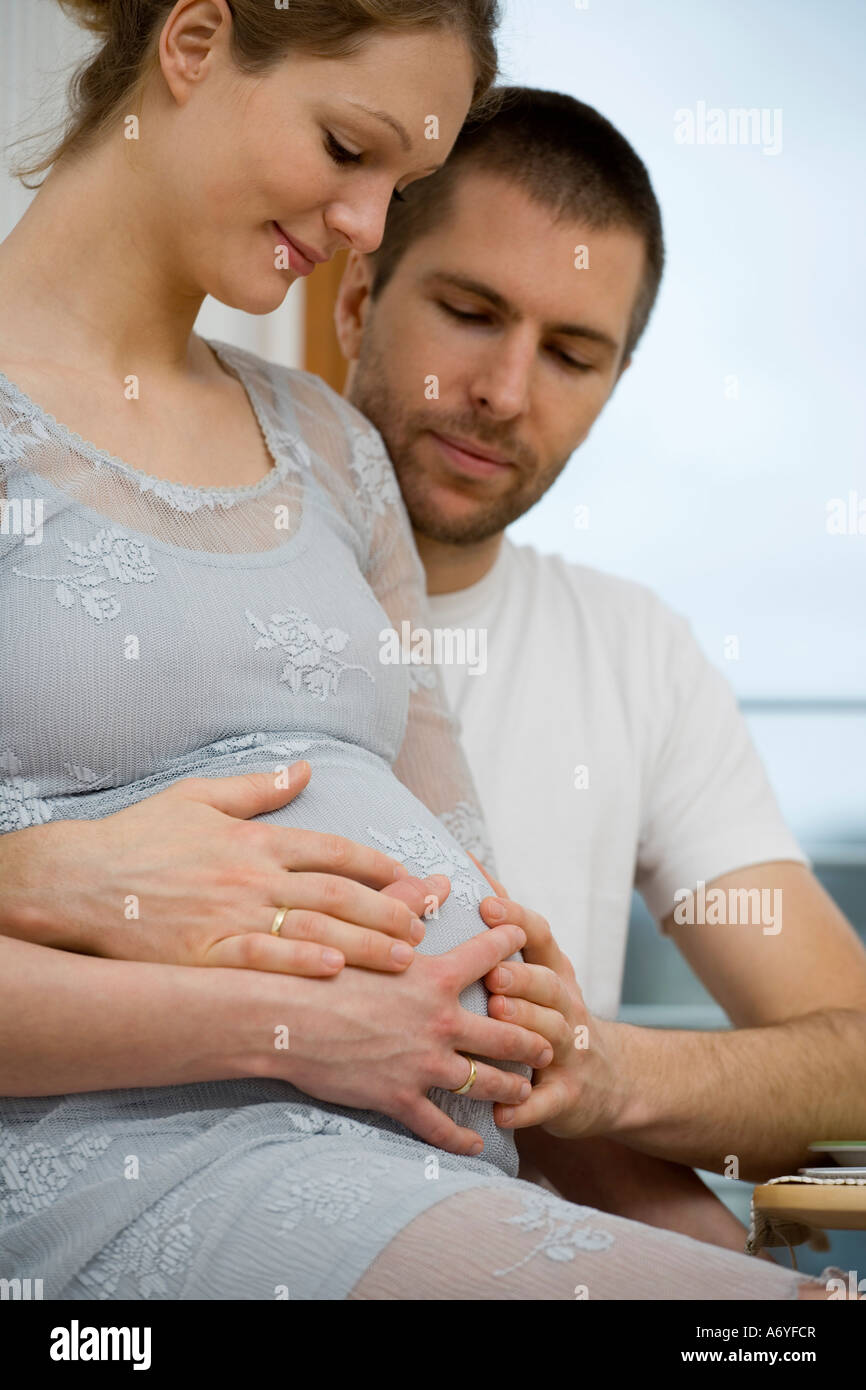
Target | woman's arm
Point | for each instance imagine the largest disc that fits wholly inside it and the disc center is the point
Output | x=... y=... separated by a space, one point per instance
x=186 y=877
x=71 y=1023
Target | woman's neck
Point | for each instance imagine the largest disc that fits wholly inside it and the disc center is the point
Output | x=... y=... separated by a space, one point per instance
x=85 y=274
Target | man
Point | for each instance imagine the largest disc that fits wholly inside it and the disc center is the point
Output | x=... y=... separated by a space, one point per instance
x=485 y=336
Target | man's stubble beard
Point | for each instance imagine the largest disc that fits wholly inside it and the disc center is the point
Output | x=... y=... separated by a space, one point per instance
x=401 y=429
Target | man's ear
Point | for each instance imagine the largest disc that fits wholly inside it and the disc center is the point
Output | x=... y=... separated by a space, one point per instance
x=353 y=301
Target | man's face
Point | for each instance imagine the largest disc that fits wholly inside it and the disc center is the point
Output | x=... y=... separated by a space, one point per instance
x=524 y=346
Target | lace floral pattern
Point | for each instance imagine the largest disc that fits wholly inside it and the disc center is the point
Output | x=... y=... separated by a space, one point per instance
x=465 y=823
x=558 y=1238
x=313 y=664
x=21 y=806
x=182 y=497
x=20 y=802
x=331 y=1198
x=420 y=847
x=32 y=1176
x=309 y=1119
x=375 y=473
x=14 y=445
x=421 y=678
x=289 y=749
x=154 y=1253
x=110 y=556
x=86 y=778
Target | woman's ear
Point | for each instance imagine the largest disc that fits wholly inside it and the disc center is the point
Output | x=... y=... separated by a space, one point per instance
x=353 y=300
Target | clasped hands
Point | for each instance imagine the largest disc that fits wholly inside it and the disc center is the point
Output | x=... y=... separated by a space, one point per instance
x=204 y=877
x=580 y=1092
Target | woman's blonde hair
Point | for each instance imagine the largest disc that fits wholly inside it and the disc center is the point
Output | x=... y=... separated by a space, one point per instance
x=263 y=32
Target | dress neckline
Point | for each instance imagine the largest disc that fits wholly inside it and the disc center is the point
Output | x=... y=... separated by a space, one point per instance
x=186 y=497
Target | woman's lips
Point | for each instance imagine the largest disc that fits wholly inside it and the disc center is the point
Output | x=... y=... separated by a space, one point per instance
x=467 y=462
x=300 y=264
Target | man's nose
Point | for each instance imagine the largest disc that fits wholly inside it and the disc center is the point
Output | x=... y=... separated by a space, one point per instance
x=502 y=382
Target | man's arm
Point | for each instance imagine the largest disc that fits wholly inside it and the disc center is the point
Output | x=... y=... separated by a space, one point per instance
x=792 y=1070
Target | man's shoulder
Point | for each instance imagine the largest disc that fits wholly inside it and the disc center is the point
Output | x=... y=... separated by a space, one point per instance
x=597 y=595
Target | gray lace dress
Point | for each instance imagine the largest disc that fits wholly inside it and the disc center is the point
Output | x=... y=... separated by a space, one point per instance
x=149 y=632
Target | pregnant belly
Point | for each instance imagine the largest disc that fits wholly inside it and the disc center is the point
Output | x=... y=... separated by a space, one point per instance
x=357 y=795
x=351 y=792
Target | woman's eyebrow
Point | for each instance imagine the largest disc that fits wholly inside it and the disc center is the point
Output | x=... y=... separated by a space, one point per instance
x=399 y=129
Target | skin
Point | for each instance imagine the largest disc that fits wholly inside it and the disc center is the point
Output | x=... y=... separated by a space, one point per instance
x=199 y=865
x=149 y=227
x=164 y=1025
x=697 y=1097
x=798 y=999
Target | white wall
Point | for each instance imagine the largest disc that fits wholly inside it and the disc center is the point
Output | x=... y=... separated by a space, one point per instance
x=39 y=48
x=720 y=503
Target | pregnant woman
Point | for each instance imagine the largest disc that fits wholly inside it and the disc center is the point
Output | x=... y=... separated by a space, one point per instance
x=200 y=594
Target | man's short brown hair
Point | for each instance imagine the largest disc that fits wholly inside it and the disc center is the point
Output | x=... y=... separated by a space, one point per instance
x=566 y=156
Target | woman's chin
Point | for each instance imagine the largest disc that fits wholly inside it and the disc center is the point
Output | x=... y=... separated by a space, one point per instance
x=262 y=296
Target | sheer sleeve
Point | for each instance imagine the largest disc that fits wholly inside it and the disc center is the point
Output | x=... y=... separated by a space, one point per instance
x=346 y=457
x=431 y=761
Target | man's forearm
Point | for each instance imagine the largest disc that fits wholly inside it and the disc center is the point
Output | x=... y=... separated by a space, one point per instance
x=71 y=1023
x=757 y=1095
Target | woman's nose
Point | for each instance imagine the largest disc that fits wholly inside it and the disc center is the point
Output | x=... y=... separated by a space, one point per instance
x=360 y=224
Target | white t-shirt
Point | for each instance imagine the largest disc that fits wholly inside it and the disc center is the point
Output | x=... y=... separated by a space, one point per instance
x=608 y=753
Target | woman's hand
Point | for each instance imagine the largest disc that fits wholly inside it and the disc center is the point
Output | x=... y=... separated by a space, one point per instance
x=578 y=1094
x=372 y=1041
x=398 y=1037
x=185 y=877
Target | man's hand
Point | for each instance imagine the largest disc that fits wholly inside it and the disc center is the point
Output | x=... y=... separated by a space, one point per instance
x=759 y=1092
x=579 y=1094
x=188 y=877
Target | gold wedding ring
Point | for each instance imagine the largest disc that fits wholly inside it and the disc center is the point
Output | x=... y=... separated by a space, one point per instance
x=279 y=919
x=470 y=1081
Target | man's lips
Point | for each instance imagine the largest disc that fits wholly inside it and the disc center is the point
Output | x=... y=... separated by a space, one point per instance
x=303 y=259
x=474 y=459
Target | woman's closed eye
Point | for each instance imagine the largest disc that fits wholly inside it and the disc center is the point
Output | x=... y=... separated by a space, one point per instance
x=343 y=157
x=338 y=152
